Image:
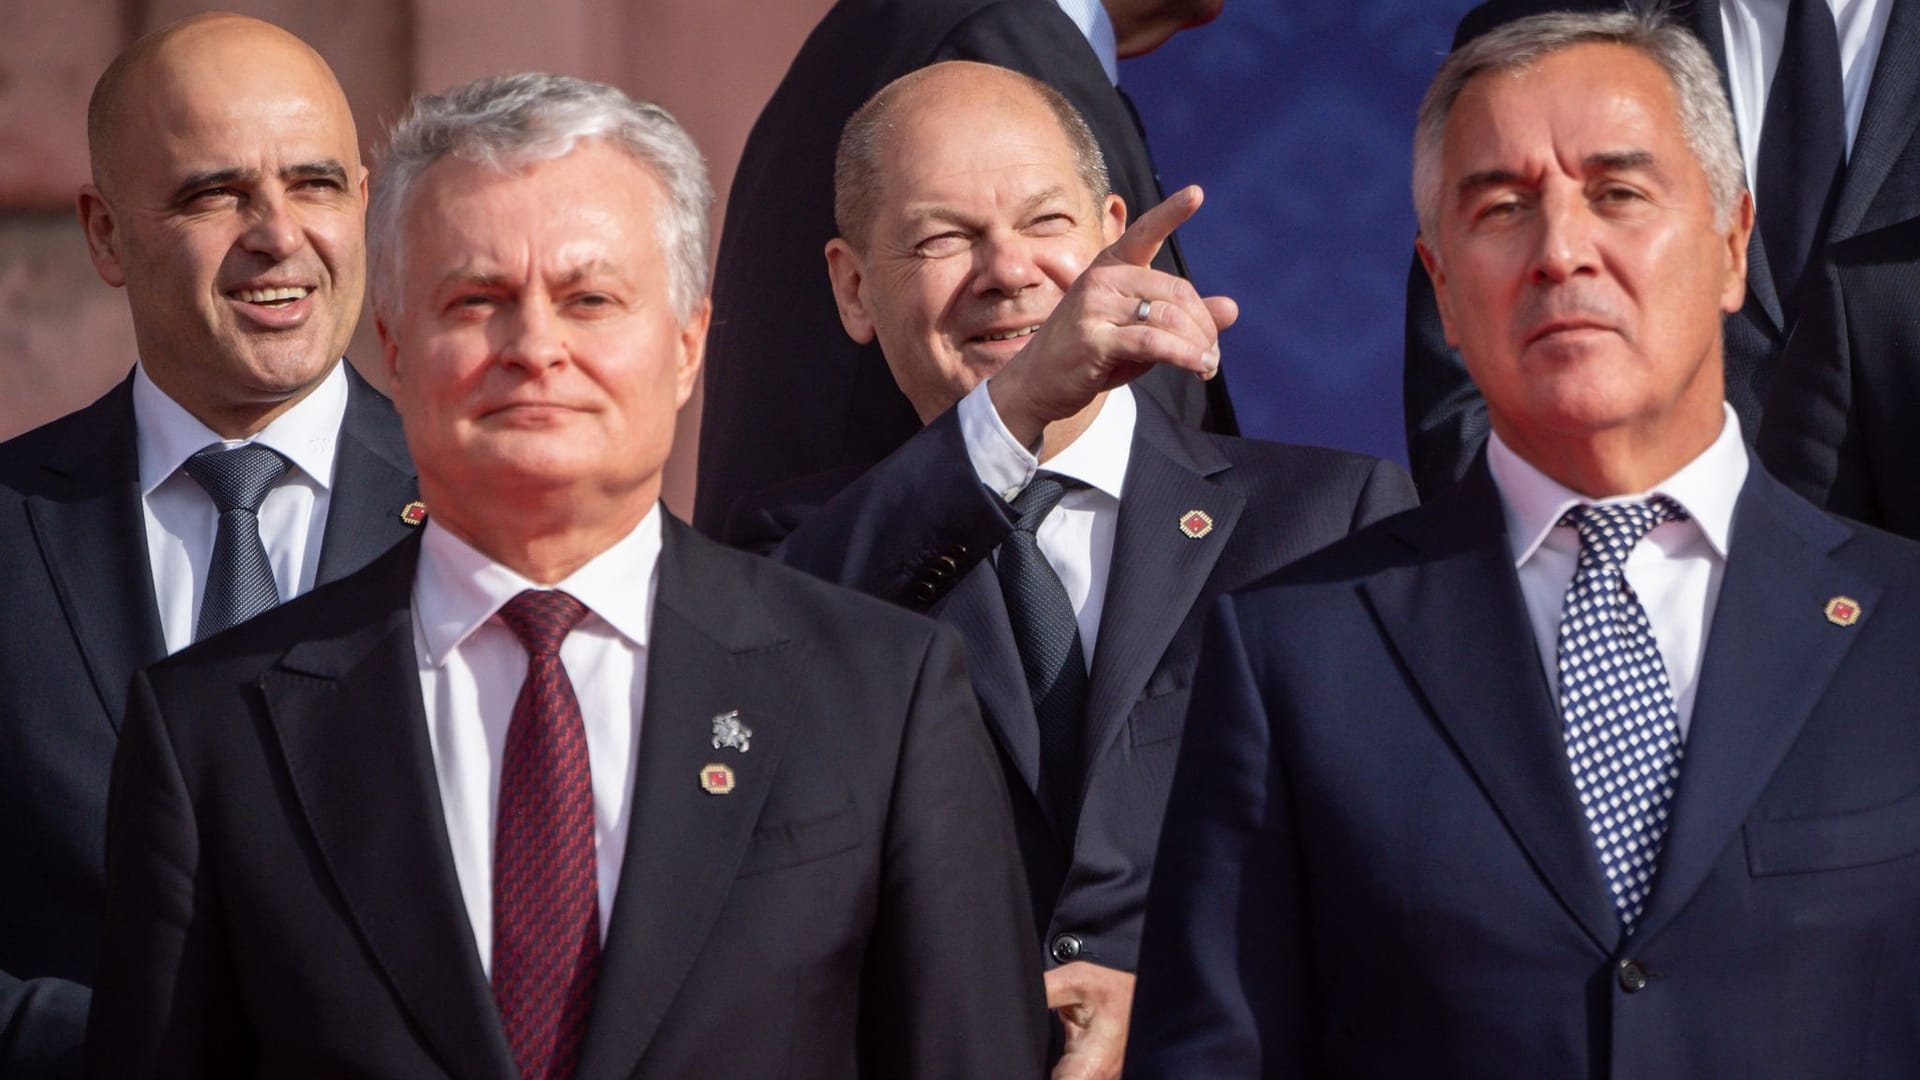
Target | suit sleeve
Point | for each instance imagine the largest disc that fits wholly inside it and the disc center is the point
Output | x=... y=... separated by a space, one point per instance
x=1223 y=987
x=163 y=1003
x=906 y=531
x=952 y=986
x=42 y=1025
x=1809 y=433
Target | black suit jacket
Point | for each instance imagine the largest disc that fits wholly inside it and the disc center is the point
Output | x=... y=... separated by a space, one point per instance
x=1843 y=421
x=918 y=529
x=81 y=619
x=788 y=394
x=1446 y=420
x=1375 y=863
x=282 y=900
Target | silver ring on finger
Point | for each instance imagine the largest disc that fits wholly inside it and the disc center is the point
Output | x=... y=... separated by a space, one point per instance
x=1141 y=313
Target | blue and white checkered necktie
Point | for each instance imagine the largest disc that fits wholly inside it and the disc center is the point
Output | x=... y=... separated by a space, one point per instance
x=1621 y=725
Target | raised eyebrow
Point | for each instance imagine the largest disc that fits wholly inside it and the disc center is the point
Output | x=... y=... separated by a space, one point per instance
x=316 y=170
x=1052 y=194
x=212 y=178
x=1616 y=161
x=1474 y=183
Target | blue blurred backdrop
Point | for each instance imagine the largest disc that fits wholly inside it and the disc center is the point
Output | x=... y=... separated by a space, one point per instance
x=1297 y=118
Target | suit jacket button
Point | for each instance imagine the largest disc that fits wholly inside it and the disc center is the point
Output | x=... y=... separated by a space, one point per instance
x=1633 y=977
x=923 y=591
x=1066 y=948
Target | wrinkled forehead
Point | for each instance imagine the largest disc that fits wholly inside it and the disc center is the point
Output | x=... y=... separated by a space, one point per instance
x=1564 y=110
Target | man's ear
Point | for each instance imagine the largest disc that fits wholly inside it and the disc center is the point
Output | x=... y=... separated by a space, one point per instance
x=1113 y=218
x=693 y=351
x=1733 y=292
x=849 y=275
x=103 y=235
x=1438 y=276
x=389 y=349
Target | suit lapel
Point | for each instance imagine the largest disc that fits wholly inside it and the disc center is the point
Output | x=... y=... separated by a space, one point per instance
x=713 y=649
x=1887 y=124
x=92 y=533
x=346 y=708
x=1157 y=571
x=1458 y=623
x=372 y=481
x=1749 y=709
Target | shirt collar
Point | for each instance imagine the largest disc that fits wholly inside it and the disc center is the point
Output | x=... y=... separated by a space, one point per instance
x=1098 y=458
x=457 y=589
x=1097 y=27
x=167 y=434
x=1707 y=487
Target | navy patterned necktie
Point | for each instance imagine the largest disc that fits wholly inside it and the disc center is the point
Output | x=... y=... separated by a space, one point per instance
x=240 y=581
x=546 y=895
x=1622 y=727
x=1048 y=636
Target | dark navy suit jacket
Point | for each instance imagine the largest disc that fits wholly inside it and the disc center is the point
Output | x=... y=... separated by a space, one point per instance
x=918 y=529
x=1375 y=863
x=282 y=899
x=80 y=620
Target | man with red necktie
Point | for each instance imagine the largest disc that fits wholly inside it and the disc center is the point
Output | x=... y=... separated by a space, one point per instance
x=559 y=789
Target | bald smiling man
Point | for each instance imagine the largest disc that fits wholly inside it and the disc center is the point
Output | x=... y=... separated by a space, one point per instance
x=228 y=200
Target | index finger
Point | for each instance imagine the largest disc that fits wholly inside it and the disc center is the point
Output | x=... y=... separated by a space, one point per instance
x=1141 y=242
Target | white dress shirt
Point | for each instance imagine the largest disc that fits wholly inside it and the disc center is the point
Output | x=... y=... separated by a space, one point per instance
x=1077 y=538
x=1756 y=30
x=1675 y=570
x=471 y=668
x=181 y=519
x=1097 y=27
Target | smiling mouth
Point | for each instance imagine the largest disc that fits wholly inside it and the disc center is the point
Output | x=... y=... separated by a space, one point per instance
x=1007 y=335
x=273 y=298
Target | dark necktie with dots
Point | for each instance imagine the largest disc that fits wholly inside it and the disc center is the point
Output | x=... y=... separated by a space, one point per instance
x=1621 y=724
x=240 y=581
x=1048 y=636
x=546 y=899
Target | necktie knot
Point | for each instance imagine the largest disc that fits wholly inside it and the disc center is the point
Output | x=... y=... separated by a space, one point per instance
x=237 y=479
x=542 y=619
x=1608 y=533
x=1038 y=499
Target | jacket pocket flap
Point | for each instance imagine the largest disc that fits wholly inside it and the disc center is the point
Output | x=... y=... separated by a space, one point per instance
x=791 y=843
x=1835 y=841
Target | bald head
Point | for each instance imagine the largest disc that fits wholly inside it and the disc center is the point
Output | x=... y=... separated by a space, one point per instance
x=229 y=201
x=957 y=96
x=217 y=52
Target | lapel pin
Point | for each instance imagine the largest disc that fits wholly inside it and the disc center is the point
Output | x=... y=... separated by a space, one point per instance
x=1843 y=611
x=716 y=779
x=1196 y=524
x=729 y=731
x=414 y=512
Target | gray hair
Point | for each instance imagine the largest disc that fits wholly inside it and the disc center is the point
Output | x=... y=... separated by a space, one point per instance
x=856 y=164
x=510 y=121
x=1706 y=120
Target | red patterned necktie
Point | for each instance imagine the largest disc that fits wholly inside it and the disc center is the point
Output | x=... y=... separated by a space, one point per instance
x=546 y=904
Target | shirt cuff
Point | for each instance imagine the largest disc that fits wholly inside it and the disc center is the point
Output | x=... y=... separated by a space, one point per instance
x=998 y=459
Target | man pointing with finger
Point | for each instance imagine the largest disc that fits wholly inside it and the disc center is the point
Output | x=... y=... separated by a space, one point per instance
x=1068 y=528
